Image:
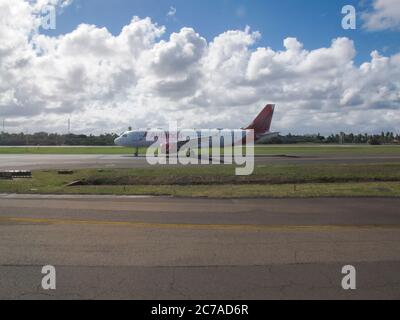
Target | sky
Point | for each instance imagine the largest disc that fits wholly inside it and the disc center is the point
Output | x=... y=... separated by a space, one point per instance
x=108 y=65
x=314 y=22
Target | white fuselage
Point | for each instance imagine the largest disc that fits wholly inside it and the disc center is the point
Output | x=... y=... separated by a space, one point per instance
x=221 y=137
x=258 y=130
x=146 y=138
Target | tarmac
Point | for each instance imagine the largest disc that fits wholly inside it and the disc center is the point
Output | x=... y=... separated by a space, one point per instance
x=106 y=247
x=44 y=162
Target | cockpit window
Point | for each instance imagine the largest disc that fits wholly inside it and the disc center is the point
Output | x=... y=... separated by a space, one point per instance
x=125 y=136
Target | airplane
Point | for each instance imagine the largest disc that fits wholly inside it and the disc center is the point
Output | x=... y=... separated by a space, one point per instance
x=141 y=139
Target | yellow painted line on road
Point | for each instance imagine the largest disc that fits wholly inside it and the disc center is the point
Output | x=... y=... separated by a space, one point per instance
x=237 y=227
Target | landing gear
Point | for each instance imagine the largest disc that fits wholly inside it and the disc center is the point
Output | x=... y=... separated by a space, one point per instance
x=136 y=152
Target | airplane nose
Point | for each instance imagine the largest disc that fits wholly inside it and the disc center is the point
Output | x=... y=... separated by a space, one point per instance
x=117 y=141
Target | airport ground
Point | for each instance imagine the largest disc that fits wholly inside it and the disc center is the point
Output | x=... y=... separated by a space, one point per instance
x=218 y=181
x=168 y=248
x=227 y=246
x=295 y=149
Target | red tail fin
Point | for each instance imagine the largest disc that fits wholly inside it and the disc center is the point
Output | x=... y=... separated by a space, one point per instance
x=262 y=123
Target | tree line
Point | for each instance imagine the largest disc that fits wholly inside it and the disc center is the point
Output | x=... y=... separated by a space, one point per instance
x=54 y=139
x=345 y=138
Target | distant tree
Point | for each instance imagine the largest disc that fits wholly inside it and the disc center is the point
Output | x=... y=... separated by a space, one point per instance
x=275 y=140
x=374 y=141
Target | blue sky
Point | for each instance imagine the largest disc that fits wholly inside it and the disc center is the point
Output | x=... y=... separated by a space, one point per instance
x=314 y=22
x=324 y=79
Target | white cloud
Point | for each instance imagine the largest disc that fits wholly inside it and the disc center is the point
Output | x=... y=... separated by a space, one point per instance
x=37 y=5
x=385 y=15
x=66 y=3
x=107 y=82
x=171 y=12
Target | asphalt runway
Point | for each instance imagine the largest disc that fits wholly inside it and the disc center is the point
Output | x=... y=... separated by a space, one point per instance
x=44 y=162
x=168 y=248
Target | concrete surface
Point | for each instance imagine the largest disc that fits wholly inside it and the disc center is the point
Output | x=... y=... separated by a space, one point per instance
x=167 y=248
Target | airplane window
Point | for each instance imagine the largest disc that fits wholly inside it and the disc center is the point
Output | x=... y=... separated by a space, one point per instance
x=125 y=135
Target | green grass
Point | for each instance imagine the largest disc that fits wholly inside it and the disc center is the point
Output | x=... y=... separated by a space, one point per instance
x=381 y=189
x=271 y=174
x=261 y=150
x=313 y=149
x=220 y=182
